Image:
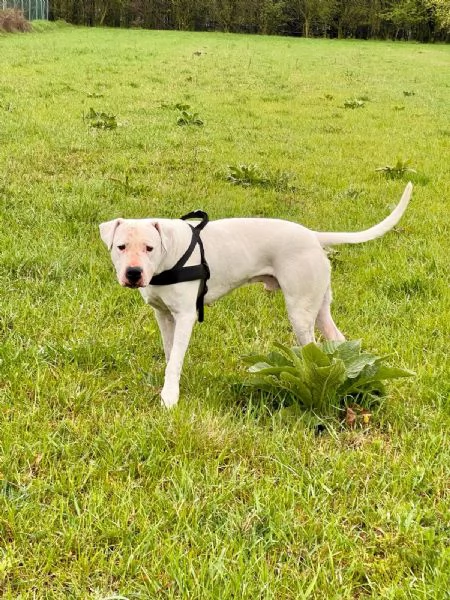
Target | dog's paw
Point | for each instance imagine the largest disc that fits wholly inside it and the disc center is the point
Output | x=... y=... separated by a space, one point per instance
x=169 y=397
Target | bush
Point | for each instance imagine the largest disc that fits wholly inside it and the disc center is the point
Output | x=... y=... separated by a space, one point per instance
x=13 y=20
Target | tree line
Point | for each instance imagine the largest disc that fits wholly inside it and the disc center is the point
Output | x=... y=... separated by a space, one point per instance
x=421 y=20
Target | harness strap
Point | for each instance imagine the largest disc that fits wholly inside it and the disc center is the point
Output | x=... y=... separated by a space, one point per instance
x=179 y=273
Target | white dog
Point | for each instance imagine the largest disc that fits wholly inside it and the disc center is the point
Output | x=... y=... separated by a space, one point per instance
x=281 y=254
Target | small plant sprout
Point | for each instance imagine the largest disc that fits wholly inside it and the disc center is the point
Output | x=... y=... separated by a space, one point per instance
x=189 y=118
x=185 y=115
x=100 y=120
x=398 y=170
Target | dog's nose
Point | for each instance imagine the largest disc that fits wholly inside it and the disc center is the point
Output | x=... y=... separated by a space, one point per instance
x=133 y=274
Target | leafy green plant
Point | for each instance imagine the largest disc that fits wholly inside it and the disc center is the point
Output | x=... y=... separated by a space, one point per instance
x=101 y=120
x=396 y=171
x=247 y=175
x=189 y=118
x=323 y=379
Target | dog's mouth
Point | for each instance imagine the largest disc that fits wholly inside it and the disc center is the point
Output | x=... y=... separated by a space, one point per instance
x=133 y=284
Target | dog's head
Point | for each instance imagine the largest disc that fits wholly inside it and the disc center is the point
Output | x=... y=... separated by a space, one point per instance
x=136 y=248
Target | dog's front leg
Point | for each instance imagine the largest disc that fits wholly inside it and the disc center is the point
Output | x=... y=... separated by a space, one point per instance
x=166 y=325
x=184 y=322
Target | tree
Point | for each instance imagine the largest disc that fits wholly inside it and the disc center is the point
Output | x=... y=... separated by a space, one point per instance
x=441 y=11
x=422 y=20
x=306 y=15
x=408 y=17
x=351 y=15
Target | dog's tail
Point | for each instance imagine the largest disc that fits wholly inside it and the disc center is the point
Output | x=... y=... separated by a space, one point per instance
x=333 y=238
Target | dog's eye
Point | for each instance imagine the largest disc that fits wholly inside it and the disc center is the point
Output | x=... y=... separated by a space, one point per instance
x=121 y=247
x=148 y=248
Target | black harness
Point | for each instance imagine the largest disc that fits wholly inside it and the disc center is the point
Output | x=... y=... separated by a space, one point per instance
x=179 y=273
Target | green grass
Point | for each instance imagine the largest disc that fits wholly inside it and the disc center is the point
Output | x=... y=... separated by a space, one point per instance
x=102 y=493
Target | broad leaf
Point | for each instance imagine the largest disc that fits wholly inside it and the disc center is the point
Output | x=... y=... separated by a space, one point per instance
x=259 y=366
x=355 y=365
x=279 y=359
x=345 y=349
x=264 y=369
x=385 y=372
x=312 y=354
x=288 y=354
x=302 y=391
x=251 y=359
x=324 y=383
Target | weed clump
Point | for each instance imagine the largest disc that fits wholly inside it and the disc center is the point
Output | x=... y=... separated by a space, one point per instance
x=186 y=116
x=325 y=380
x=398 y=170
x=189 y=118
x=101 y=120
x=252 y=175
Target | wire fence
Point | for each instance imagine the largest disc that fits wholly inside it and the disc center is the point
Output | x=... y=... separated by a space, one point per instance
x=32 y=9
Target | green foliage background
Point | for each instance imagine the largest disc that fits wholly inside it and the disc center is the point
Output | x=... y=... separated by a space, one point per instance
x=423 y=20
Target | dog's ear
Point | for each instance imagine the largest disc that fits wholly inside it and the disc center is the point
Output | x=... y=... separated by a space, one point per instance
x=163 y=234
x=107 y=231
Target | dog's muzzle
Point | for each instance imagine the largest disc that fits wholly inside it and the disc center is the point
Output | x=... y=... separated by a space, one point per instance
x=133 y=276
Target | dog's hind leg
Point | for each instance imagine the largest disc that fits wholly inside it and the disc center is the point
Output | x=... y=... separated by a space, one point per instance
x=303 y=291
x=302 y=320
x=324 y=321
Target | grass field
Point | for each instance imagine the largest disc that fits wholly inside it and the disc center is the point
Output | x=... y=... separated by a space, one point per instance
x=103 y=494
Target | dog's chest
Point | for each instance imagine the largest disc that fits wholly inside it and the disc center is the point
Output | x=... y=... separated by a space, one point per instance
x=152 y=296
x=177 y=298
